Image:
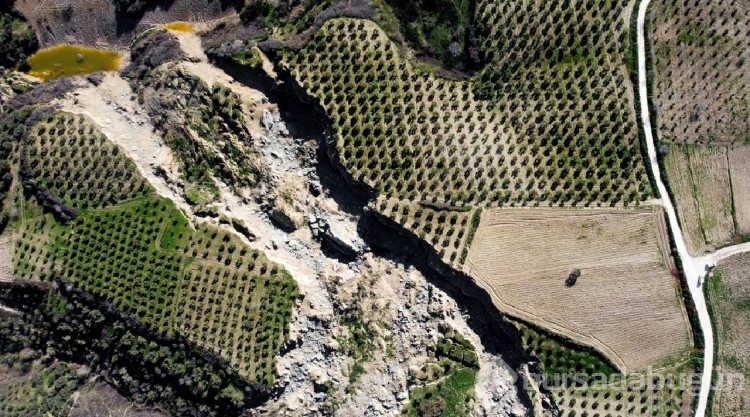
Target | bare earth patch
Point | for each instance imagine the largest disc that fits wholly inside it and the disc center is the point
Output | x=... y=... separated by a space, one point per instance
x=6 y=258
x=624 y=304
x=739 y=167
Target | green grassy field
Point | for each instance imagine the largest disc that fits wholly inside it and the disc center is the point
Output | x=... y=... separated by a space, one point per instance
x=138 y=251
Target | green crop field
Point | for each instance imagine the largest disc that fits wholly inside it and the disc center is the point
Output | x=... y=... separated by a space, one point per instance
x=66 y=143
x=554 y=134
x=418 y=137
x=581 y=383
x=139 y=252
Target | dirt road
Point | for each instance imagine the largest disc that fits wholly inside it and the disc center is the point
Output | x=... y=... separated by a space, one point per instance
x=694 y=268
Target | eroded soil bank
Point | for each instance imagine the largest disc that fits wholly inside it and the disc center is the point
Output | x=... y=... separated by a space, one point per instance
x=305 y=118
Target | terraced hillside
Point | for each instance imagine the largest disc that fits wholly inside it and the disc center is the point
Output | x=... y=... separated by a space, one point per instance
x=139 y=252
x=700 y=88
x=413 y=137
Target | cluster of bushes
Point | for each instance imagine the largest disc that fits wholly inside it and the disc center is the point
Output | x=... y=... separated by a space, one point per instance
x=133 y=8
x=182 y=106
x=559 y=358
x=450 y=390
x=458 y=350
x=440 y=28
x=263 y=11
x=147 y=367
x=17 y=40
x=43 y=391
x=150 y=49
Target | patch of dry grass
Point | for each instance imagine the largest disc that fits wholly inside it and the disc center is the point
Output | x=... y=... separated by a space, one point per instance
x=700 y=180
x=625 y=302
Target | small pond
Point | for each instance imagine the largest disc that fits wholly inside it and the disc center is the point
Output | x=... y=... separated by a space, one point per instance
x=179 y=26
x=67 y=60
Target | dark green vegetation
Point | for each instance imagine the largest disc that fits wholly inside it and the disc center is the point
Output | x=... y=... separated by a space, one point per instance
x=37 y=391
x=581 y=383
x=556 y=357
x=441 y=28
x=17 y=40
x=176 y=301
x=263 y=11
x=447 y=381
x=70 y=326
x=205 y=127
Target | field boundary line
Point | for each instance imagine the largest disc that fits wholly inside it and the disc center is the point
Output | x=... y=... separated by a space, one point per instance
x=538 y=321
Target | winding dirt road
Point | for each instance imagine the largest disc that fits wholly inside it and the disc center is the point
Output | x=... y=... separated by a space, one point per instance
x=694 y=268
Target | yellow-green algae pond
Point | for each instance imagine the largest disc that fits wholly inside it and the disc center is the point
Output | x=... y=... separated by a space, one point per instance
x=67 y=60
x=184 y=27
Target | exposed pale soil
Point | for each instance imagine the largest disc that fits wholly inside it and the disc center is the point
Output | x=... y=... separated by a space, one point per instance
x=6 y=257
